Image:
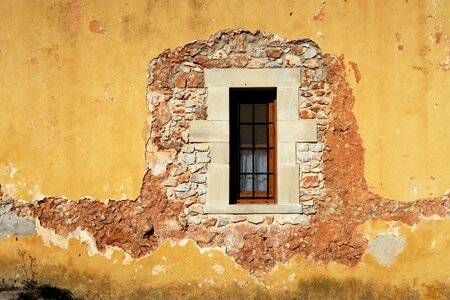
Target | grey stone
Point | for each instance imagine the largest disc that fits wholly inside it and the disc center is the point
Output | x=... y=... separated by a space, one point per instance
x=198 y=178
x=190 y=103
x=317 y=147
x=188 y=158
x=310 y=53
x=305 y=157
x=184 y=187
x=255 y=219
x=222 y=222
x=183 y=195
x=272 y=64
x=201 y=189
x=386 y=247
x=303 y=147
x=291 y=219
x=196 y=220
x=203 y=157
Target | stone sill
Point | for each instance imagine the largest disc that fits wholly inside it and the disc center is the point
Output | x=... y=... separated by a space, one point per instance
x=253 y=209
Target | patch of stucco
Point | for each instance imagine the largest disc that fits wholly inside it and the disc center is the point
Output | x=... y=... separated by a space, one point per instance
x=386 y=247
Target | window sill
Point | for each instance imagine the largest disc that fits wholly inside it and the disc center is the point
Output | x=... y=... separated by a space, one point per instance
x=253 y=209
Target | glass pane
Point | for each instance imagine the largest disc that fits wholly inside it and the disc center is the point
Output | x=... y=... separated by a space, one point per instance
x=246 y=135
x=246 y=161
x=261 y=135
x=246 y=113
x=260 y=183
x=260 y=161
x=246 y=183
x=261 y=112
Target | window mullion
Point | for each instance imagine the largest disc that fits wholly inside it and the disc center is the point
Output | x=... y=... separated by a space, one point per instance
x=253 y=150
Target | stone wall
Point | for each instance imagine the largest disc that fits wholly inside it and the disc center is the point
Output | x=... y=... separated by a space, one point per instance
x=333 y=191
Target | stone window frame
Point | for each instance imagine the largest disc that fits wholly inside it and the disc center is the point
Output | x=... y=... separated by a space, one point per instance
x=290 y=131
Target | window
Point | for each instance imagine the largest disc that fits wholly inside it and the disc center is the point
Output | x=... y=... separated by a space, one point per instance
x=252 y=145
x=277 y=190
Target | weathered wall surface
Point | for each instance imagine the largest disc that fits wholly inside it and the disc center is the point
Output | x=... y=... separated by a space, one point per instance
x=73 y=97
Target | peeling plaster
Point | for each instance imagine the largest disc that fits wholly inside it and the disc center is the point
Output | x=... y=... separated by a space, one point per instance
x=386 y=247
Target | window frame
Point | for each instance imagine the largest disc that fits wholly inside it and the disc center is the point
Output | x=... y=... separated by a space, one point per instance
x=253 y=97
x=215 y=131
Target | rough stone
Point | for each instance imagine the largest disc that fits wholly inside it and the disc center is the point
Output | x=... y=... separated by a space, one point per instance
x=255 y=219
x=198 y=178
x=293 y=60
x=309 y=181
x=203 y=157
x=183 y=195
x=311 y=63
x=305 y=157
x=195 y=209
x=291 y=219
x=310 y=53
x=188 y=158
x=184 y=187
x=317 y=147
x=222 y=222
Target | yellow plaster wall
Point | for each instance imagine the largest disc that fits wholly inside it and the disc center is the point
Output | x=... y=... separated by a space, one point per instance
x=73 y=77
x=422 y=265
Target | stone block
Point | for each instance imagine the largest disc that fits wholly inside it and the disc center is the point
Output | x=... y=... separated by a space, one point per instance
x=218 y=184
x=288 y=184
x=297 y=131
x=287 y=103
x=209 y=131
x=286 y=153
x=231 y=77
x=220 y=153
x=218 y=103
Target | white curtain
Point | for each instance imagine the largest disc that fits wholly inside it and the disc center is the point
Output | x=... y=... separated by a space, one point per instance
x=246 y=161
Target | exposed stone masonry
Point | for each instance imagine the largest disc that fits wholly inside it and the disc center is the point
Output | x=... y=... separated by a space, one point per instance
x=333 y=191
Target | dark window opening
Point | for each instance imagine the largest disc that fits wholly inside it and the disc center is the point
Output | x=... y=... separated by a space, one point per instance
x=252 y=145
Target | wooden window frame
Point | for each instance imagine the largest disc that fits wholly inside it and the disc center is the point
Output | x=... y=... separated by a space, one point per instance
x=253 y=96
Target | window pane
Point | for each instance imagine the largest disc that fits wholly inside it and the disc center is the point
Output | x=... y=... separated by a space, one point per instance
x=246 y=135
x=246 y=183
x=260 y=161
x=246 y=113
x=260 y=183
x=246 y=161
x=261 y=135
x=261 y=112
